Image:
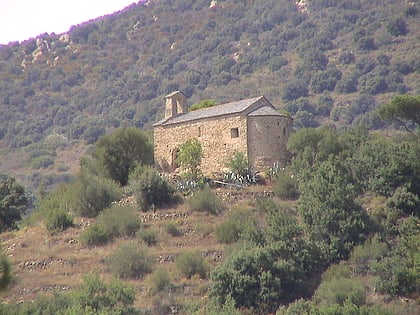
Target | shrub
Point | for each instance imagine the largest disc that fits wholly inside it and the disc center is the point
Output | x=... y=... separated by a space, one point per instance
x=172 y=229
x=228 y=231
x=324 y=105
x=94 y=235
x=43 y=161
x=130 y=261
x=301 y=104
x=238 y=163
x=397 y=275
x=56 y=206
x=205 y=200
x=97 y=297
x=304 y=119
x=112 y=222
x=94 y=193
x=259 y=278
x=405 y=201
x=410 y=11
x=159 y=280
x=346 y=58
x=285 y=186
x=5 y=272
x=346 y=85
x=364 y=255
x=366 y=43
x=119 y=220
x=149 y=237
x=397 y=27
x=58 y=220
x=150 y=189
x=203 y=104
x=192 y=263
x=189 y=158
x=340 y=290
x=294 y=90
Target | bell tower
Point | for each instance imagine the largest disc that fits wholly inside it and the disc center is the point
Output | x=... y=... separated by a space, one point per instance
x=176 y=104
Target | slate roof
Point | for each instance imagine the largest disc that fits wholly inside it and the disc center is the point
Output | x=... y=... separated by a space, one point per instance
x=265 y=111
x=236 y=107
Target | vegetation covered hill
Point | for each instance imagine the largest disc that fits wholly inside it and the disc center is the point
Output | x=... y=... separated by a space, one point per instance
x=336 y=232
x=323 y=61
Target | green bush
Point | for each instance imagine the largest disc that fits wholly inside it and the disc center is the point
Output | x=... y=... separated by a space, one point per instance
x=150 y=189
x=94 y=193
x=130 y=261
x=258 y=278
x=205 y=200
x=58 y=220
x=364 y=255
x=119 y=220
x=397 y=27
x=397 y=275
x=97 y=297
x=341 y=290
x=285 y=186
x=149 y=237
x=42 y=161
x=192 y=263
x=112 y=222
x=228 y=231
x=159 y=280
x=203 y=104
x=56 y=207
x=172 y=229
x=404 y=201
x=238 y=163
x=5 y=272
x=93 y=235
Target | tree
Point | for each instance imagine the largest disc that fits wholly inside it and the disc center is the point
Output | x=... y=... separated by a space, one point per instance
x=203 y=104
x=150 y=189
x=118 y=154
x=329 y=210
x=12 y=202
x=403 y=109
x=189 y=157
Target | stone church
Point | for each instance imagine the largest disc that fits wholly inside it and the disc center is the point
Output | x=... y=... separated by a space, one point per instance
x=252 y=126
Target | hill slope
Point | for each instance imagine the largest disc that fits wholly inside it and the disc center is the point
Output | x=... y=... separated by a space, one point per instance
x=323 y=61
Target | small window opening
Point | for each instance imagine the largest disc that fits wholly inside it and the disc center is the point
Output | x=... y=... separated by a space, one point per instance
x=199 y=132
x=284 y=131
x=234 y=133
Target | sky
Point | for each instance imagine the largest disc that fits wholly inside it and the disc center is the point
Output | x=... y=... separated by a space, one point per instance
x=24 y=19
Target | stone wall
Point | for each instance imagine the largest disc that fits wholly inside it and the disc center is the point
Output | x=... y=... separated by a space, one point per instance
x=220 y=137
x=267 y=140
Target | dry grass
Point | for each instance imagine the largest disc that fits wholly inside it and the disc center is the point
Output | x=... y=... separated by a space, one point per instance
x=43 y=262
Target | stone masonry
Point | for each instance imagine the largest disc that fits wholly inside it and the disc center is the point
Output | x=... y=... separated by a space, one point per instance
x=252 y=126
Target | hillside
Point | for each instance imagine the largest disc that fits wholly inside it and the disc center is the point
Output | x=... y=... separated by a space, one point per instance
x=44 y=263
x=323 y=61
